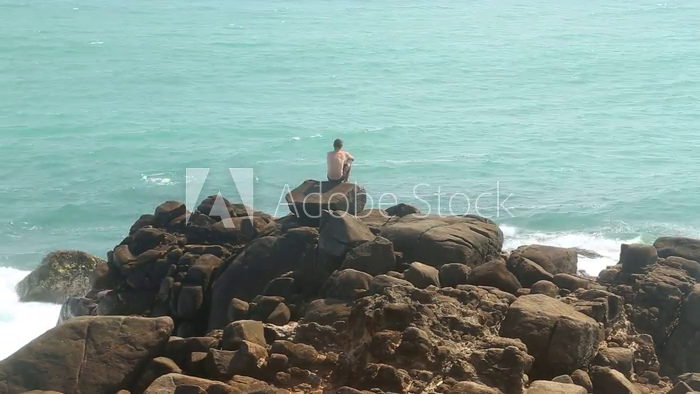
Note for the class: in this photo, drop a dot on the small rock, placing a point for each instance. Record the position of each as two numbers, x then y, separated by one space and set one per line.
243 330
545 287
581 378
422 275
454 274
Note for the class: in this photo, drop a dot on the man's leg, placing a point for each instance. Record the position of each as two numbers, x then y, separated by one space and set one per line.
346 173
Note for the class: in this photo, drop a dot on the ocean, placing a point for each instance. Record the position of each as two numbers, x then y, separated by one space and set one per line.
571 123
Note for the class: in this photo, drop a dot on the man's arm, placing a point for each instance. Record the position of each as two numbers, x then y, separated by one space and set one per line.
349 157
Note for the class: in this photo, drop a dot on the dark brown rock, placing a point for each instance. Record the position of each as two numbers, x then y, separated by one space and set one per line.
526 271
571 282
494 274
436 240
280 315
635 257
609 381
243 330
374 257
552 259
381 282
581 378
189 301
216 364
422 275
327 311
167 212
86 354
238 310
155 368
312 197
545 287
618 358
263 259
179 349
560 339
347 284
687 248
299 354
454 274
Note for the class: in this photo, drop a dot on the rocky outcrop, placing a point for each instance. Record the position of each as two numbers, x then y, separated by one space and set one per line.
378 302
62 274
86 355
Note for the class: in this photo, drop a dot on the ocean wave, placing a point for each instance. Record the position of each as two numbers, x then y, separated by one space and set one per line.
160 179
21 321
607 250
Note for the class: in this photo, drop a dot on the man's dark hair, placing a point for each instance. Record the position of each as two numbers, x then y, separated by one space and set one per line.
338 143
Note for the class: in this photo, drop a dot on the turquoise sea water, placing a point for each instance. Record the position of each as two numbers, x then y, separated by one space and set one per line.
587 112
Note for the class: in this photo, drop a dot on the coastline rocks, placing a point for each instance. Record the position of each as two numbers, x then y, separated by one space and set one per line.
560 338
86 354
312 197
62 274
552 259
436 241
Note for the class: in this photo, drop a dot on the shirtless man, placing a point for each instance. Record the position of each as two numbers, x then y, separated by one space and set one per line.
339 163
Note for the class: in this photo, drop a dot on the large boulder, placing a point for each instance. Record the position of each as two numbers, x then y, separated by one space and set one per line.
688 248
86 355
312 197
553 259
62 274
636 257
437 240
341 233
264 259
560 338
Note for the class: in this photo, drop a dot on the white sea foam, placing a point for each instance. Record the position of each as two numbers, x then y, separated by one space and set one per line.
160 179
607 248
21 322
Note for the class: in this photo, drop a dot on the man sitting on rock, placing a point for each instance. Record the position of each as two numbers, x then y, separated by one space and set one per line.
339 163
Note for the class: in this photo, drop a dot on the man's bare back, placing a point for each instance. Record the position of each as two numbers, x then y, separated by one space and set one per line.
339 163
